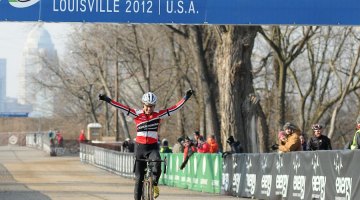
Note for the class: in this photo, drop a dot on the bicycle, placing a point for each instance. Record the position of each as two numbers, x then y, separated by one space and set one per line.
60 151
74 149
148 182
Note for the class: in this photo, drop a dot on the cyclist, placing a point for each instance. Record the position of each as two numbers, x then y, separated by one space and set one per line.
318 141
355 144
147 123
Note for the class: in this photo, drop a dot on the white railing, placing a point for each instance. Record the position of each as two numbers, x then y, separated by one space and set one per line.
120 163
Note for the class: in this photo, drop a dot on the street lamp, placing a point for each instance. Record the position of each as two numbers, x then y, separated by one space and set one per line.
117 81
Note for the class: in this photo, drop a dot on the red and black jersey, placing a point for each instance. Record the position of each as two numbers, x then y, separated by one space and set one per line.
147 126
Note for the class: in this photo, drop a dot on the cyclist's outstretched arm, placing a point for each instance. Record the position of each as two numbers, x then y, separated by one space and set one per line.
170 111
125 109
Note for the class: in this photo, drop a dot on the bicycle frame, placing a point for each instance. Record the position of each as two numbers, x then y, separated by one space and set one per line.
148 182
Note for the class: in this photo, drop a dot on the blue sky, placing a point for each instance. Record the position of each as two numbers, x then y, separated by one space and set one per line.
12 40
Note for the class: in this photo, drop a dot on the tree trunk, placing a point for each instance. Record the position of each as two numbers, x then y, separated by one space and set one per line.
181 115
238 117
210 105
344 92
124 125
282 97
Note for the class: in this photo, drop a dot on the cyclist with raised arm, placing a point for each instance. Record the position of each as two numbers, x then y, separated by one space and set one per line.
147 122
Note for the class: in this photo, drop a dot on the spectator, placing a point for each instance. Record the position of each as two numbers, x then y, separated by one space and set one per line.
355 144
189 147
196 138
82 137
189 150
281 138
203 146
165 147
214 146
303 142
60 139
318 141
179 146
235 145
52 143
51 134
291 142
128 146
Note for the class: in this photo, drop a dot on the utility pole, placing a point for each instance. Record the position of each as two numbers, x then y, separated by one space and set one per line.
117 138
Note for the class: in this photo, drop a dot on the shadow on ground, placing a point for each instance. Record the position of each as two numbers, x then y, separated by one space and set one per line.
11 190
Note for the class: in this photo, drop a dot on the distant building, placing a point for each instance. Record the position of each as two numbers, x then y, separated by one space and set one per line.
13 108
2 84
9 107
38 54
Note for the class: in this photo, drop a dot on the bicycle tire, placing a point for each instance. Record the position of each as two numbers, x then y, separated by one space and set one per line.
147 190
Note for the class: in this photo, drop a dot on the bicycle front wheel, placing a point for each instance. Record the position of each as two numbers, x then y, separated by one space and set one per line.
148 193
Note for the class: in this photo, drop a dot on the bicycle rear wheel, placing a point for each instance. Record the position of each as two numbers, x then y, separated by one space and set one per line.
148 193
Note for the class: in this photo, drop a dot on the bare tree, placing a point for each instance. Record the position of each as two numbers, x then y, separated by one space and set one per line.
285 52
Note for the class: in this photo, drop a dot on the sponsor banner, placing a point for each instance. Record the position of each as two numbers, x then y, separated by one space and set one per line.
202 172
15 10
304 175
301 12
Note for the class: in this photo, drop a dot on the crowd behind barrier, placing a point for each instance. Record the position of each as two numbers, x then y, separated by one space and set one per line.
296 175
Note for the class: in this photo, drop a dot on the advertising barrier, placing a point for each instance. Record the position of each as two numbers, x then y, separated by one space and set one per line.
202 172
319 175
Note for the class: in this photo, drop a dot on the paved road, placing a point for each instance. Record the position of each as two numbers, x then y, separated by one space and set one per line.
30 174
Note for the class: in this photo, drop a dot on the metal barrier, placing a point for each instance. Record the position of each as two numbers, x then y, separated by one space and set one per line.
39 141
120 163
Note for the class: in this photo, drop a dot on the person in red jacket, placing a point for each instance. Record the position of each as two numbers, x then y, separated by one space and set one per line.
214 146
82 137
147 122
203 146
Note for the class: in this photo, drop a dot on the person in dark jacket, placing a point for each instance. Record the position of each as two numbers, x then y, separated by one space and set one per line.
303 142
235 145
128 146
318 141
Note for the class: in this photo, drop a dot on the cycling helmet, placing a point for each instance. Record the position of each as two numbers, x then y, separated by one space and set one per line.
316 127
149 98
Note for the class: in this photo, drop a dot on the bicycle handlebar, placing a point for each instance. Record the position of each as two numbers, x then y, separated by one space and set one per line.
149 160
